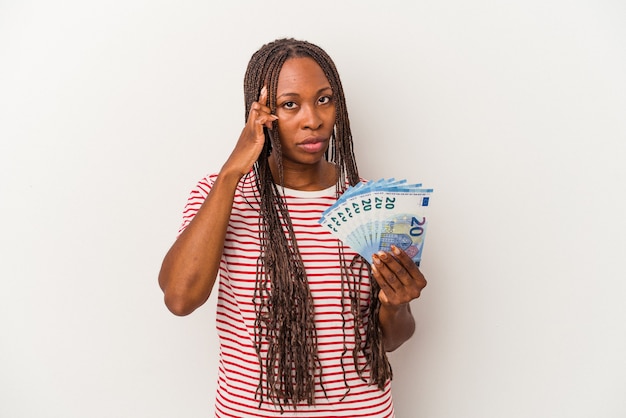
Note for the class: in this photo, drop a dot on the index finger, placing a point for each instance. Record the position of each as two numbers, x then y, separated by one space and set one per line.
263 96
403 258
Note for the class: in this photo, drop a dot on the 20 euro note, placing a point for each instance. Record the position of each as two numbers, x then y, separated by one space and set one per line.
373 216
349 219
401 221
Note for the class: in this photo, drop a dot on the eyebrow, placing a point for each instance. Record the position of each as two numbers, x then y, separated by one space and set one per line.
297 95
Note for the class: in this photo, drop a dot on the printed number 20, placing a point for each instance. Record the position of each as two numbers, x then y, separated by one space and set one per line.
416 227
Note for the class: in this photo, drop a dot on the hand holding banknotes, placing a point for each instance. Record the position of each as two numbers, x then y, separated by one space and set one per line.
399 278
385 221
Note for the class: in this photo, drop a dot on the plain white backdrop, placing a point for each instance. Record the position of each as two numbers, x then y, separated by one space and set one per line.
514 112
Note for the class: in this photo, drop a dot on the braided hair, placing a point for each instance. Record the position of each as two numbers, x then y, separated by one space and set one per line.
283 302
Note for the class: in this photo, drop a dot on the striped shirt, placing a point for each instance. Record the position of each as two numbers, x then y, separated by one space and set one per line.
238 369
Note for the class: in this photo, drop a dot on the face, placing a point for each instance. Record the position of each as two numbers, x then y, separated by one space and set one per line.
306 111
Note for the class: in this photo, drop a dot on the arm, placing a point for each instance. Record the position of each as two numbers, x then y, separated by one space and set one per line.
190 267
400 282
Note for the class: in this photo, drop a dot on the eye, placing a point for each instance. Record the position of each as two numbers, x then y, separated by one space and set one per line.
289 105
325 99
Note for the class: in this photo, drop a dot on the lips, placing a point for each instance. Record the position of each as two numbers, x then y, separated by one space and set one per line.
313 144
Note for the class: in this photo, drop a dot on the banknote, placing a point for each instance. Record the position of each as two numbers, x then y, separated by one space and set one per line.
373 216
346 217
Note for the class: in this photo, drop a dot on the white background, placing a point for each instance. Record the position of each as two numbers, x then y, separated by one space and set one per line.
514 112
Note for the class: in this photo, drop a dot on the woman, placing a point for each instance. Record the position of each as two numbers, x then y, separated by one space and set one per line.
303 329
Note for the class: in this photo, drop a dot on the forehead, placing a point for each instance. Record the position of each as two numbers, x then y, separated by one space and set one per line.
301 74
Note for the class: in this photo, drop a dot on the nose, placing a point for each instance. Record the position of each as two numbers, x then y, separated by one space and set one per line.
311 118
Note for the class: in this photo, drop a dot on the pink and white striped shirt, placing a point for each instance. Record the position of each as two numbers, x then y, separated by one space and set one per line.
238 371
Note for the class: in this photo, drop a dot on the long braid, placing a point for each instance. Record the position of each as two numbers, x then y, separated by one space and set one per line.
283 302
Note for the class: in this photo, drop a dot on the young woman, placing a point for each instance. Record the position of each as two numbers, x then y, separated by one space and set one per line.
303 329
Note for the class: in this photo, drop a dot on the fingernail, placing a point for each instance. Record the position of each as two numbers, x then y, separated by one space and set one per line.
263 90
376 260
382 255
395 250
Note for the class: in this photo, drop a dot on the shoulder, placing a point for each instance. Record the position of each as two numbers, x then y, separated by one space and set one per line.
203 186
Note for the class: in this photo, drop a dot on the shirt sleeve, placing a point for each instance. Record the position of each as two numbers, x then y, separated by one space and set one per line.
196 198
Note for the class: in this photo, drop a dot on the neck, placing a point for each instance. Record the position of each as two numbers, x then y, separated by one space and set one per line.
305 177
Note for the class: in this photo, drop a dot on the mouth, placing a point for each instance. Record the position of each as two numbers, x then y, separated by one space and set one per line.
313 144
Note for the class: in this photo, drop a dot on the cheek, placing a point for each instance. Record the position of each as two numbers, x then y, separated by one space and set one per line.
331 118
285 119
332 114
285 128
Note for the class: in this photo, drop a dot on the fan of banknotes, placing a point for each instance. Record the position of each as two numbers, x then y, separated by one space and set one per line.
374 215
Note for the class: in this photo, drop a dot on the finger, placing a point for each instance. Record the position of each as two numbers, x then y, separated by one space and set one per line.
263 96
384 276
389 295
408 264
260 111
394 272
262 102
266 120
382 283
403 258
383 296
400 285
